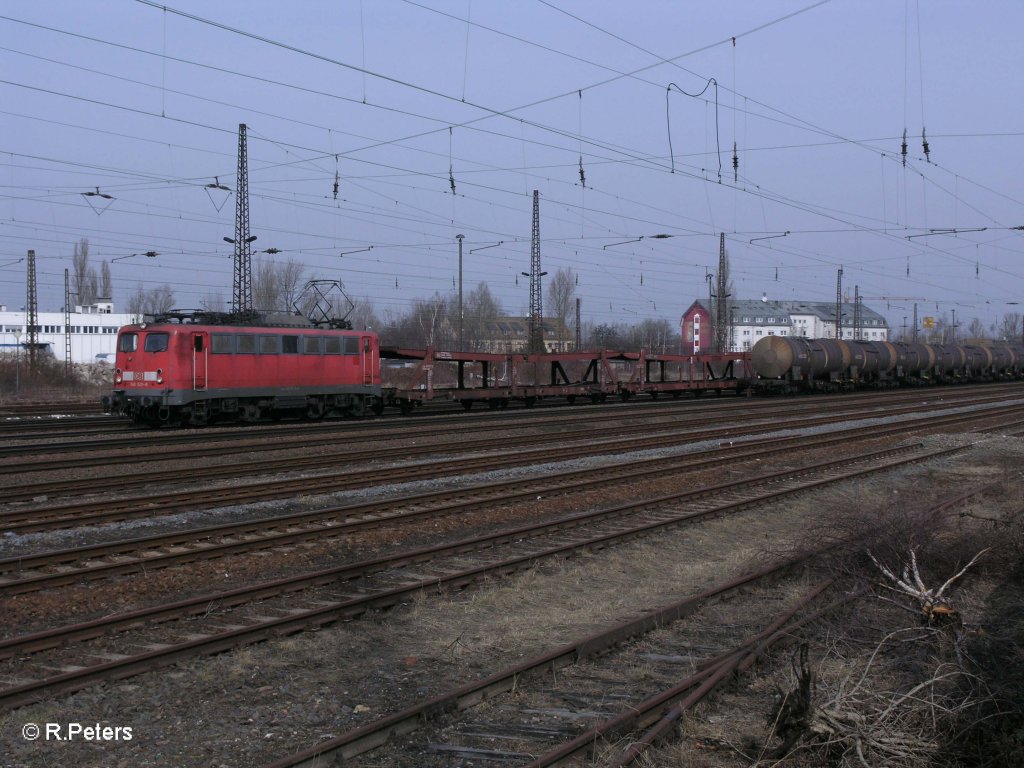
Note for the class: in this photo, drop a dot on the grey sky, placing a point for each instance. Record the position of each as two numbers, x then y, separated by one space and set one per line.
147 110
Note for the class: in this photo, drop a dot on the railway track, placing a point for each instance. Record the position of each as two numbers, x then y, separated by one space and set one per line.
150 445
522 730
33 572
40 409
387 581
58 516
576 700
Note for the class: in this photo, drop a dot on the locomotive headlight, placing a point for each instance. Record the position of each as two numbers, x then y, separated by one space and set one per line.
159 375
117 376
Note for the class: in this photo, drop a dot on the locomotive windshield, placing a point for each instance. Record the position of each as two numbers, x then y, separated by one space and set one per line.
156 342
128 342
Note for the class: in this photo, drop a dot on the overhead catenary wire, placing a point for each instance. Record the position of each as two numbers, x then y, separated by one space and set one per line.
579 159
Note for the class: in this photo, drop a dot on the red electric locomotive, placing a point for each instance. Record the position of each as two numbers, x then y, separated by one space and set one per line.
192 370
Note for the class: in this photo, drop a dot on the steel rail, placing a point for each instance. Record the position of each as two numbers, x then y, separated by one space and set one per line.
266 533
709 674
163 445
361 740
114 510
299 619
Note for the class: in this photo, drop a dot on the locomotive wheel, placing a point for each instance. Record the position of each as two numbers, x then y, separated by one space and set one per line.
249 413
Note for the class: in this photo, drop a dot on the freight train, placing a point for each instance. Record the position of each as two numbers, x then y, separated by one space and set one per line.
196 369
791 364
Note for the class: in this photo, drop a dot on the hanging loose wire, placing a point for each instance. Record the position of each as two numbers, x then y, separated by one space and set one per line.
920 71
583 176
668 120
451 174
906 75
735 156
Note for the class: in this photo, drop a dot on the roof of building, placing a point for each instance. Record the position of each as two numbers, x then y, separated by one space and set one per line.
781 311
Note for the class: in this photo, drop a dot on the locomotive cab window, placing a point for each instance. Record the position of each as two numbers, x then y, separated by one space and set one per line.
128 342
351 345
156 342
197 343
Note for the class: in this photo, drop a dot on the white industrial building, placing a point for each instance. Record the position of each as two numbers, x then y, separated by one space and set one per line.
93 331
751 320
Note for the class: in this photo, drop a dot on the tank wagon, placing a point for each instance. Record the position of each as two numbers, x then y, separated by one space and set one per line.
186 370
791 364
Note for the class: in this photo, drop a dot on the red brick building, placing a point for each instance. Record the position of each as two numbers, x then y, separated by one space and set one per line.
697 330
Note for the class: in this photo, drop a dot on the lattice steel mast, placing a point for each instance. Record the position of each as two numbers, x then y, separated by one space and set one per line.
858 318
242 296
722 298
32 317
67 324
536 340
839 304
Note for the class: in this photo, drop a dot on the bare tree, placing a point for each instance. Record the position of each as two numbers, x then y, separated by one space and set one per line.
427 324
213 302
652 335
976 329
481 310
106 283
1010 327
265 286
276 287
86 281
607 336
561 299
292 278
364 317
153 301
